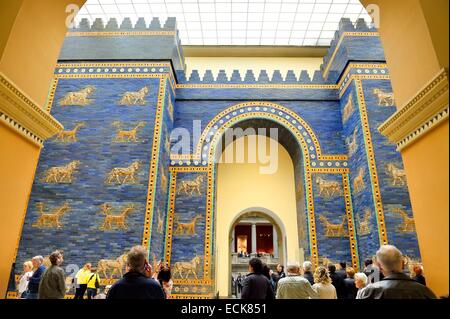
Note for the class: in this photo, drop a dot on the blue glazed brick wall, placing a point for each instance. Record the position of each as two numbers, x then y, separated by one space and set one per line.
80 236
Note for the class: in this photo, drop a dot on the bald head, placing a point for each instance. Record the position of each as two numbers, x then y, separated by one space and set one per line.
390 259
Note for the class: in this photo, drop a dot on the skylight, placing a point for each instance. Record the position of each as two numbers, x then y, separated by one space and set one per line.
237 22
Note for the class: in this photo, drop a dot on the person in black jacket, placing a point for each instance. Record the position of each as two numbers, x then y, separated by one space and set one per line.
337 281
307 272
35 279
256 285
349 283
395 284
136 283
342 271
418 275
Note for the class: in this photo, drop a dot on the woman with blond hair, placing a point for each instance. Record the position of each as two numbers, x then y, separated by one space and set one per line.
360 282
323 286
23 282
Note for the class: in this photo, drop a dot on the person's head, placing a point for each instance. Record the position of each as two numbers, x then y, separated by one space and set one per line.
136 258
307 266
367 262
350 272
331 268
255 265
266 271
87 266
280 268
418 270
56 258
165 274
390 260
27 266
360 280
105 291
37 261
93 270
293 268
343 265
322 276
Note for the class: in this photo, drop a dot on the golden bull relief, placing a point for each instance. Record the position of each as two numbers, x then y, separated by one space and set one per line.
358 181
111 266
78 98
384 98
186 268
352 144
328 188
364 225
123 175
61 174
348 109
189 187
134 98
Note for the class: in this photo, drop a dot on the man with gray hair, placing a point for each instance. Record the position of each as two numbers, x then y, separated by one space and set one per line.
395 284
137 282
294 286
307 272
35 279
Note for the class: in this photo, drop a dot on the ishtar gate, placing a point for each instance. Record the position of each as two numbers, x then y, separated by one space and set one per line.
130 146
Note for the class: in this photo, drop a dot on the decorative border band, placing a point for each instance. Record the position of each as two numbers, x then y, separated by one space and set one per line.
427 109
120 33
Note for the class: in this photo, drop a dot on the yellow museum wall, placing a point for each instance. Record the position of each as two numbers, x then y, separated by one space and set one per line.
256 64
241 186
426 163
31 34
35 40
17 167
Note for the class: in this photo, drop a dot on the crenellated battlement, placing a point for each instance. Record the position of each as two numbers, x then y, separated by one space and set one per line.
112 25
249 77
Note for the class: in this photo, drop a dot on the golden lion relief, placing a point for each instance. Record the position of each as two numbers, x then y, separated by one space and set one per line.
61 174
69 136
186 268
78 98
124 136
51 219
123 175
334 230
117 221
134 98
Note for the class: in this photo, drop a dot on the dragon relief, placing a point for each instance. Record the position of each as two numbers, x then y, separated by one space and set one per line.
69 136
398 175
407 225
51 219
186 229
334 230
348 110
124 136
115 221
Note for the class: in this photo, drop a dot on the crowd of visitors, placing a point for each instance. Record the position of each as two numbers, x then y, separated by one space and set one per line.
383 278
